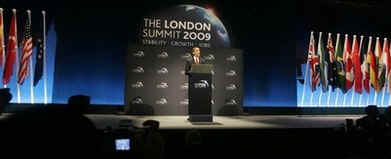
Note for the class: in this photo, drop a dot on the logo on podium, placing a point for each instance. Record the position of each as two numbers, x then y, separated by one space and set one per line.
201 84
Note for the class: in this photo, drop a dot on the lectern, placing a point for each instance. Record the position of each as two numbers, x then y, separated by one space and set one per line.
200 93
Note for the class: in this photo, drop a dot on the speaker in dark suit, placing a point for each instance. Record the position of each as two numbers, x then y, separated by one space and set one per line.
195 59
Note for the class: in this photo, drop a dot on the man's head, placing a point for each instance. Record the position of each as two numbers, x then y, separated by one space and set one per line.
5 98
196 51
78 104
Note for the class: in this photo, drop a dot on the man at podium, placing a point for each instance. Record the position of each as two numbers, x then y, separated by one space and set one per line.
196 59
200 88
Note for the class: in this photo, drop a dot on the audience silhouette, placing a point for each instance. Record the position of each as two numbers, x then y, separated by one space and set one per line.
40 131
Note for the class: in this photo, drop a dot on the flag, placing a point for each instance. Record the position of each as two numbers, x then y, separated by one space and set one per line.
340 64
39 62
27 50
388 73
382 62
314 63
357 66
12 49
1 37
365 57
373 66
322 63
332 74
347 55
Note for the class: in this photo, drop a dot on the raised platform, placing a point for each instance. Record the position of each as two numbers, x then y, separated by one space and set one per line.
228 122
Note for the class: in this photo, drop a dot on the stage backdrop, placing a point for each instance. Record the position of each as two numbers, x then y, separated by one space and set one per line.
156 77
155 67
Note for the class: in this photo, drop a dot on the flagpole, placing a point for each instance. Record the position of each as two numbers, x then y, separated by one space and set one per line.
336 100
312 96
2 43
328 98
31 66
44 59
361 44
382 98
305 74
344 99
305 81
352 99
17 66
320 97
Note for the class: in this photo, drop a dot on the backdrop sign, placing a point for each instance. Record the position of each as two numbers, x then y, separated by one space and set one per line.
184 26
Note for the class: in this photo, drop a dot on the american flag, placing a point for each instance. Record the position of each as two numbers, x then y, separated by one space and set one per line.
27 50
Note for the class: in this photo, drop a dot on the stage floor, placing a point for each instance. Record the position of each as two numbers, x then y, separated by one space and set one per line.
114 121
228 122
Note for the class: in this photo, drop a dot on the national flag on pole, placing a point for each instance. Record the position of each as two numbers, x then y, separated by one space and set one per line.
347 55
39 62
332 63
322 63
340 64
2 49
12 49
314 63
357 66
382 68
365 65
388 73
373 66
27 51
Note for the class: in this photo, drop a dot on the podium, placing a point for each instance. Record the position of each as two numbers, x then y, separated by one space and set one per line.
200 93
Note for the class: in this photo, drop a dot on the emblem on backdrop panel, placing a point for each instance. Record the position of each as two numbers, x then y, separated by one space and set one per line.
231 73
210 57
138 84
137 100
186 56
162 70
161 101
138 69
162 85
184 102
231 58
139 53
230 101
185 86
230 87
162 55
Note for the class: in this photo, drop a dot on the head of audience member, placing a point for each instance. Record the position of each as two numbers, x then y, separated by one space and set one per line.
371 111
5 98
387 114
193 137
78 104
152 124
